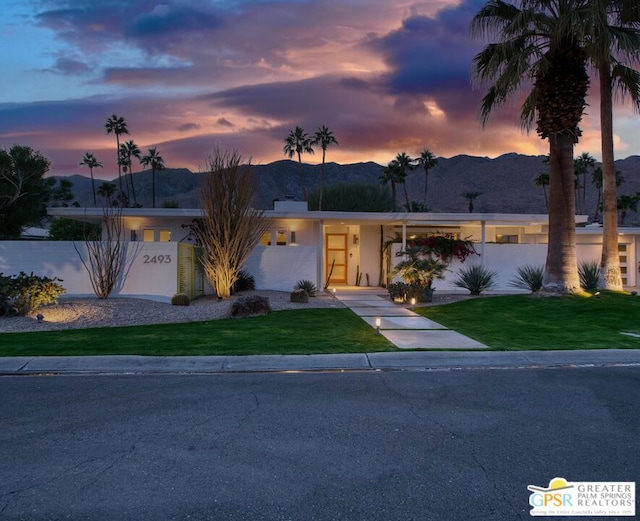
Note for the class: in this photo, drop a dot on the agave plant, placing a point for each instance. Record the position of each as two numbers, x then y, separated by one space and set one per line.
528 277
307 286
589 272
475 278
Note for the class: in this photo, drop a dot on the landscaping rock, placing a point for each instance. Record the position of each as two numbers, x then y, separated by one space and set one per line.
250 306
300 296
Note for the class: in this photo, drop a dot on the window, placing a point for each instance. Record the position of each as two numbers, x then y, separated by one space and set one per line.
165 235
507 239
281 237
277 237
148 235
265 240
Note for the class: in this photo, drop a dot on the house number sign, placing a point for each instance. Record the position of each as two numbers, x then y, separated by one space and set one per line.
157 259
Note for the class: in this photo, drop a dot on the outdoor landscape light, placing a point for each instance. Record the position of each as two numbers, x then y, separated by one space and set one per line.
634 293
413 302
40 317
334 292
378 321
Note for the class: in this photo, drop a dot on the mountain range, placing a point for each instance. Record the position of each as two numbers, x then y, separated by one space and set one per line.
506 183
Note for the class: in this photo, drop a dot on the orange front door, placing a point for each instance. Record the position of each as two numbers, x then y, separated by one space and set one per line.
336 248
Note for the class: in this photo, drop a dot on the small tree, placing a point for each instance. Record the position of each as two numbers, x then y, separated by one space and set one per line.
230 227
106 255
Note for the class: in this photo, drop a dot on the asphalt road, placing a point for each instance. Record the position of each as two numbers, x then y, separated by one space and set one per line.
437 445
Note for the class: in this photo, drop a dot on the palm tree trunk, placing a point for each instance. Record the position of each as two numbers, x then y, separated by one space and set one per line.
133 188
118 160
610 277
93 188
546 200
406 195
153 186
561 269
321 180
393 194
424 198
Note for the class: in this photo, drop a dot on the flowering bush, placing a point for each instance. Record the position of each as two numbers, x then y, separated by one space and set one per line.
26 293
444 247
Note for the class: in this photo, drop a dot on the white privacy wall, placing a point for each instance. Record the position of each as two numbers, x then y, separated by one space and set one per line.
281 267
505 259
150 270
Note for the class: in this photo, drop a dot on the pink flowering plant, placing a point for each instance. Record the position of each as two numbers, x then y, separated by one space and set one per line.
427 259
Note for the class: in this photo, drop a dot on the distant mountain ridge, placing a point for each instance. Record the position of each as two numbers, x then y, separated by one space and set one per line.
506 183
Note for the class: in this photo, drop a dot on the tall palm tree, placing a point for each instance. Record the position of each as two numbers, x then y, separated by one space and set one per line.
611 38
156 162
543 181
92 162
392 174
405 164
427 161
323 137
538 43
627 202
107 190
128 151
117 125
297 143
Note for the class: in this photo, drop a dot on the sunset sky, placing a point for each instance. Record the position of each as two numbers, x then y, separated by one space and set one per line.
385 76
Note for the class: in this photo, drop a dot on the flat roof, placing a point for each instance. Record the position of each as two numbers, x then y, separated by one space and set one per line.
386 218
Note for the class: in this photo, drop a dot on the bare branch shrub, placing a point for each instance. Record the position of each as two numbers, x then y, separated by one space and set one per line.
106 257
230 227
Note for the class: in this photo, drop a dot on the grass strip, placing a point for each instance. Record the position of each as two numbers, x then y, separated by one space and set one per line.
521 322
284 332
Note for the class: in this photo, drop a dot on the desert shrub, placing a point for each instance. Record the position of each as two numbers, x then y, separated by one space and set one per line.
589 272
245 282
26 293
403 291
307 286
528 277
180 299
475 278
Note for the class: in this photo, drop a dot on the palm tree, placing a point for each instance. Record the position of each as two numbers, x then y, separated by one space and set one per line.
107 190
539 43
323 137
626 203
428 161
393 175
405 164
297 143
118 126
92 162
612 36
156 162
581 165
471 196
543 181
128 151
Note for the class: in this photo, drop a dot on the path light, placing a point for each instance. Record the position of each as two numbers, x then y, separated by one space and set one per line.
378 322
40 317
413 302
334 292
597 294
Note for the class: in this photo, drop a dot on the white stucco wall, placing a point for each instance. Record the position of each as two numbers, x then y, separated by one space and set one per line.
150 269
281 267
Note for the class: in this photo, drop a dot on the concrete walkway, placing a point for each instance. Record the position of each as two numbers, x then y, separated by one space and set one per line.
401 326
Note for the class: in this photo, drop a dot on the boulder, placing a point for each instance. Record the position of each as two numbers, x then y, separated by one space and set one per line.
250 306
300 296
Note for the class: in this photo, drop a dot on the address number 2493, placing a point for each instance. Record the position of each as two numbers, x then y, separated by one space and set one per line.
157 259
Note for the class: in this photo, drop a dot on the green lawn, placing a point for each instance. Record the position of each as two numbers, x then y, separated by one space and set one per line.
283 332
520 322
516 322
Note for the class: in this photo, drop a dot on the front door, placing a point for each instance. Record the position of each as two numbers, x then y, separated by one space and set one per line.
336 267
